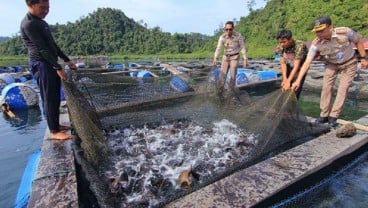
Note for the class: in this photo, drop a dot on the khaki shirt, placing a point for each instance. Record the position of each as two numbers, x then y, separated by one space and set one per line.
339 49
232 45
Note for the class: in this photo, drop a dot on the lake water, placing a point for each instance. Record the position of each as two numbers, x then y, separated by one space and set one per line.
19 138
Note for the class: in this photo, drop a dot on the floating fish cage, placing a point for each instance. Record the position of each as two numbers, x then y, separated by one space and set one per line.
144 144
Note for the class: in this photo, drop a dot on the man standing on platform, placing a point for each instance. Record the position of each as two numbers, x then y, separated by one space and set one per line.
43 61
335 45
233 44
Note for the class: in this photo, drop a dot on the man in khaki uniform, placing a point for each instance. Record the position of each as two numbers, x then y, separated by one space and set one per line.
335 45
233 44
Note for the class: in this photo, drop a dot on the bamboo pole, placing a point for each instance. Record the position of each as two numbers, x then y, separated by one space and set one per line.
171 69
6 109
358 126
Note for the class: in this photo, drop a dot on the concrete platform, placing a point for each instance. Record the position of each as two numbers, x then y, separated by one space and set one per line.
252 185
55 183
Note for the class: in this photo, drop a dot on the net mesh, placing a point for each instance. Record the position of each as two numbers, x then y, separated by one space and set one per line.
340 186
140 135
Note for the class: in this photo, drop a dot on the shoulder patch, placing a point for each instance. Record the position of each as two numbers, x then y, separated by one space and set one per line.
341 30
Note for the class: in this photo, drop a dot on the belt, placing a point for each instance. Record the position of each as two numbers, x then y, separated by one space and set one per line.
229 55
345 62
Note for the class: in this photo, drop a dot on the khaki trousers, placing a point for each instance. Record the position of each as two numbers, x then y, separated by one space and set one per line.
228 62
347 72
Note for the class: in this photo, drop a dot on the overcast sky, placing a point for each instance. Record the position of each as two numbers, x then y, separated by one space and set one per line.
181 16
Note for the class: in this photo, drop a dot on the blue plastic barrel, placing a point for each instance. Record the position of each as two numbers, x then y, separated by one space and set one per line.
132 65
214 75
267 74
119 66
21 79
133 73
24 190
253 77
277 57
17 68
7 78
144 74
241 78
62 95
178 84
81 65
19 95
7 69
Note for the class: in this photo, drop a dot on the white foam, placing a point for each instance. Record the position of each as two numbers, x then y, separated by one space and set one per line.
168 151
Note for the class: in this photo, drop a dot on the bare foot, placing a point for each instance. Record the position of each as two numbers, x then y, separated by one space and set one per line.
61 136
64 128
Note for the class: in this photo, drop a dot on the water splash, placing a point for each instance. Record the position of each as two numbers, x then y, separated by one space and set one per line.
149 160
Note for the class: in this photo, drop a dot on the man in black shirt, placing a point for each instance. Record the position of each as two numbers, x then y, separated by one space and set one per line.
43 60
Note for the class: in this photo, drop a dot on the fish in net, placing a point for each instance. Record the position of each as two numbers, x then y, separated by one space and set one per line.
139 136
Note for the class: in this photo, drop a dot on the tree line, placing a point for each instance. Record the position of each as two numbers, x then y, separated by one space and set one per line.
109 31
261 26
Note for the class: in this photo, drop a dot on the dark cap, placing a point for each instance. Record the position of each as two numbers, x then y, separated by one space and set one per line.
321 23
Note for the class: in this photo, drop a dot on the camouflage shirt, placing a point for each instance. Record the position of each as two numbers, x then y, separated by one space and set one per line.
339 49
297 51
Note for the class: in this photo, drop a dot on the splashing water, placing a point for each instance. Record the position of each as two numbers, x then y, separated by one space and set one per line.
149 160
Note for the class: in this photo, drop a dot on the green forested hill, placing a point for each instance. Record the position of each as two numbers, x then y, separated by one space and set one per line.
108 31
2 39
261 26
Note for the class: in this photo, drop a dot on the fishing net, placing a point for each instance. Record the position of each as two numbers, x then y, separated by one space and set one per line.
143 143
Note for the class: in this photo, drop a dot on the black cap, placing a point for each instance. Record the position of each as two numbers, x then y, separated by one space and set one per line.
321 23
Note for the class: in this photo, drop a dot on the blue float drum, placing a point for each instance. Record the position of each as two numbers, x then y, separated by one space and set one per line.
179 84
20 95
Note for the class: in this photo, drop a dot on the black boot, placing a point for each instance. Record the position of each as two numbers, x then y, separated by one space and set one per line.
332 121
321 120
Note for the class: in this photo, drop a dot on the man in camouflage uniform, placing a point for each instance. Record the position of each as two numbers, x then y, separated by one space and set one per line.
292 56
335 45
233 44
